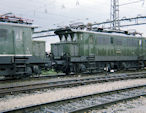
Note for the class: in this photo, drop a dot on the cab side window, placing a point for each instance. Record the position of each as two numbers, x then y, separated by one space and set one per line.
112 40
18 35
3 33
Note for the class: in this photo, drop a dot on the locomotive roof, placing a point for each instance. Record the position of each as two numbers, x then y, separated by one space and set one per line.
68 30
38 40
16 24
105 33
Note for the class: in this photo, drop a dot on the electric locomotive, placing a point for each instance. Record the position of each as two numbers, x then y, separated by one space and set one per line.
94 49
17 50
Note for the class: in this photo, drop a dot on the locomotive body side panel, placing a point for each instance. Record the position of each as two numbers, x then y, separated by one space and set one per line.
15 40
6 41
39 49
111 48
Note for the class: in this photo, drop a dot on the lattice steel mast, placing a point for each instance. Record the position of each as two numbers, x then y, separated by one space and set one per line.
114 15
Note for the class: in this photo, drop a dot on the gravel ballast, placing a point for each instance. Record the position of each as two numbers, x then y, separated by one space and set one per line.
11 102
134 106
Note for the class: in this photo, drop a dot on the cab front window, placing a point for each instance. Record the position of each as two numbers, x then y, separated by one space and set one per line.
69 38
75 37
63 38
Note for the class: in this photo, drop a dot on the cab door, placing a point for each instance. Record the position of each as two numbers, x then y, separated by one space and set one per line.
91 45
74 50
140 48
18 42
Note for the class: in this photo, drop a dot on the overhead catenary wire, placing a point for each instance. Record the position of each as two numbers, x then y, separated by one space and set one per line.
121 20
107 22
131 2
43 36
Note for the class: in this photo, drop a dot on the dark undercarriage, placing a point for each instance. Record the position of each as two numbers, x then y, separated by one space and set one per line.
20 66
67 65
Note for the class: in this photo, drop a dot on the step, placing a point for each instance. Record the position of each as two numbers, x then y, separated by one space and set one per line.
92 63
92 68
21 66
19 73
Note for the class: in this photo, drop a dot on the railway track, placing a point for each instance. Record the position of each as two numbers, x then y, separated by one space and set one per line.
86 102
33 77
60 75
65 83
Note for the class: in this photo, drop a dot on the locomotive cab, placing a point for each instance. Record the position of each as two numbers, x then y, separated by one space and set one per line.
16 48
68 44
67 48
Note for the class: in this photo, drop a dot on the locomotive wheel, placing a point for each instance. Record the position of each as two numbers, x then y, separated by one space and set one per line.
36 70
67 70
124 66
141 64
107 68
76 68
28 71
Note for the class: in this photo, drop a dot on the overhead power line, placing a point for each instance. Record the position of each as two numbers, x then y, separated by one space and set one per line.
114 13
44 36
132 2
140 20
136 21
43 31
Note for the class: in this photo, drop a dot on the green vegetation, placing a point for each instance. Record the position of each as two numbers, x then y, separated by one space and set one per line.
50 72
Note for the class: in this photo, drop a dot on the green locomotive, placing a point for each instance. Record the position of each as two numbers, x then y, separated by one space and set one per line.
18 55
94 50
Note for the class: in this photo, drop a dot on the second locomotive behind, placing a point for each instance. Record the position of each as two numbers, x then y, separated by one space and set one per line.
19 54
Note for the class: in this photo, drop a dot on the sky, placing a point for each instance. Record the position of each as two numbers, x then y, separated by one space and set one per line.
49 14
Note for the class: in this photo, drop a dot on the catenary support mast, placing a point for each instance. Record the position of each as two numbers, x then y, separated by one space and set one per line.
114 15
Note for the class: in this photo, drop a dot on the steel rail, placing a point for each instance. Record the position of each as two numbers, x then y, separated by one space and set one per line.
34 77
86 102
65 83
56 75
126 97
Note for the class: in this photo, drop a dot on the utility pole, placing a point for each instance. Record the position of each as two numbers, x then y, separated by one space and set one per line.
114 15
